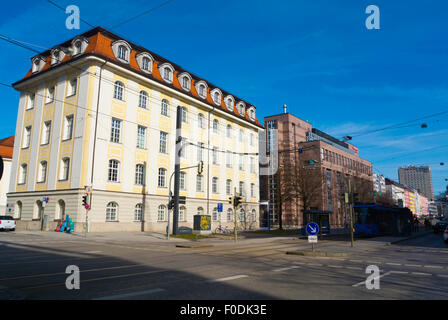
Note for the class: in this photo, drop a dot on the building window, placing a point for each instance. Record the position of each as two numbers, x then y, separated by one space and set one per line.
162 178
42 171
229 187
201 121
118 90
202 90
184 113
251 139
141 137
114 171
229 159
145 63
253 215
215 214
138 212
242 215
163 142
60 211
199 183
167 74
140 175
215 155
26 137
165 107
68 127
215 185
65 169
229 131
240 138
200 211
217 98
182 215
229 104
143 99
72 85
50 95
229 215
200 148
183 181
123 53
215 126
241 188
241 164
22 174
252 190
111 211
161 213
78 47
252 165
46 131
186 83
31 101
115 135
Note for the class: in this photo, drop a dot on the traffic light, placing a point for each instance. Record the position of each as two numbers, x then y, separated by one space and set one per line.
171 204
231 200
84 200
200 167
237 201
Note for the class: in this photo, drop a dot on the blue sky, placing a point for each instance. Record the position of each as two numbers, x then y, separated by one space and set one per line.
315 56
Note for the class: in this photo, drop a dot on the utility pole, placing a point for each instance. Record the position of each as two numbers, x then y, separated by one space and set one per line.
234 214
179 147
350 195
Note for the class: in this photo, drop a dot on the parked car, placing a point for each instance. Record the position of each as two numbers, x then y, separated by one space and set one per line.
7 223
440 226
445 235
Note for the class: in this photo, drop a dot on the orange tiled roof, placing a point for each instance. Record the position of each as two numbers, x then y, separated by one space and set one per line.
7 147
100 44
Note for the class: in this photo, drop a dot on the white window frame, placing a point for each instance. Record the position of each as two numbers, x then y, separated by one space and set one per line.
163 142
46 133
141 137
161 178
115 131
112 212
139 174
68 127
113 171
64 171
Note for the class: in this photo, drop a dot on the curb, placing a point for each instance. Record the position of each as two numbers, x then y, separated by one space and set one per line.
409 238
318 253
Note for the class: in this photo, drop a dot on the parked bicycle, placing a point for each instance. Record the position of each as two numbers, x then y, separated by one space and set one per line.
222 229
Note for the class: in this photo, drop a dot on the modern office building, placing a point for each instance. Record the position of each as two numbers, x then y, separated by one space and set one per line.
100 111
333 163
418 178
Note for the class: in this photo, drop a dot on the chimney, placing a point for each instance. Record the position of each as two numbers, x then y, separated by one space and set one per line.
284 108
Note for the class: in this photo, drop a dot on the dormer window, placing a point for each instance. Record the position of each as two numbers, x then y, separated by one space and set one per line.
79 45
241 108
216 95
166 70
201 88
56 57
144 61
121 50
38 63
185 81
252 113
229 103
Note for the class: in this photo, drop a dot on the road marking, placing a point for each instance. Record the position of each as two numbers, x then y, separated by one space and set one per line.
132 294
436 267
393 264
284 269
421 274
334 266
374 262
413 265
443 275
94 251
315 264
228 278
356 261
364 282
399 272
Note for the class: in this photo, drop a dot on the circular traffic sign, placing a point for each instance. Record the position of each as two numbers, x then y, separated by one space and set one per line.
312 228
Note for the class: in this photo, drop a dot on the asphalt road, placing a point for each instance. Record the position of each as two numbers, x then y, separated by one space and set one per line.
33 266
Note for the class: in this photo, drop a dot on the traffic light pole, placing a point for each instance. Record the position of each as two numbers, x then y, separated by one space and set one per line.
235 233
177 169
351 212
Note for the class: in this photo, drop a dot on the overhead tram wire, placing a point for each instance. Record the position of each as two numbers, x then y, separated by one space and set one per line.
173 109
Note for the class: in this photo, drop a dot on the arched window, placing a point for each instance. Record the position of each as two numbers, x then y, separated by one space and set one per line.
185 83
114 171
138 212
217 98
162 178
18 210
37 212
200 211
118 90
165 107
202 91
184 113
242 215
72 86
253 215
215 126
143 99
78 47
182 213
215 214
201 121
145 63
229 104
229 131
229 215
111 211
240 108
22 174
60 210
161 213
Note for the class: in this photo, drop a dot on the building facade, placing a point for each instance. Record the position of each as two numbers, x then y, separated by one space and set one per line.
418 178
100 111
333 162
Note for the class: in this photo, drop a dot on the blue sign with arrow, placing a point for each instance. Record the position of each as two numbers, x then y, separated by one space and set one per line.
312 228
219 207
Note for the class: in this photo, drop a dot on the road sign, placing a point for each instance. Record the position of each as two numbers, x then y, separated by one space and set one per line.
182 200
219 207
88 189
312 239
312 229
